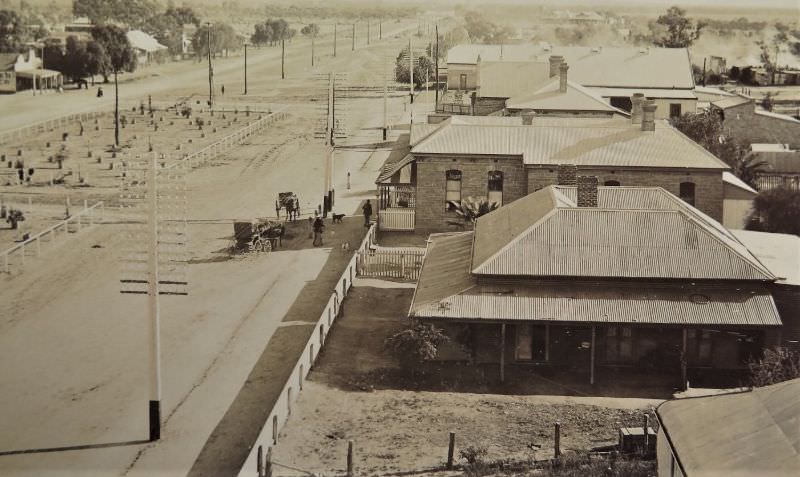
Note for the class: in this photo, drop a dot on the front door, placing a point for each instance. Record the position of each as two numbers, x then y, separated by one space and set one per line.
463 83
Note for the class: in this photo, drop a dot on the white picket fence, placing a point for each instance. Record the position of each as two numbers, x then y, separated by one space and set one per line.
391 262
291 389
51 124
17 255
397 219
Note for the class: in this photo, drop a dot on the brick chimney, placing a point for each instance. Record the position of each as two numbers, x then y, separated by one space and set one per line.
567 174
636 108
555 63
527 118
649 116
562 76
587 191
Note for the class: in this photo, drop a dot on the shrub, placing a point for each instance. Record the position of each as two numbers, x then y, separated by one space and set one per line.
777 365
416 344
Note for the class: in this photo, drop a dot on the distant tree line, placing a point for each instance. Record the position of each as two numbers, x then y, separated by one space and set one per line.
482 30
272 32
223 40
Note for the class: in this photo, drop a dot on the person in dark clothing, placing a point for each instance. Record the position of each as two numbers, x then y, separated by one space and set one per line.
319 226
367 209
223 90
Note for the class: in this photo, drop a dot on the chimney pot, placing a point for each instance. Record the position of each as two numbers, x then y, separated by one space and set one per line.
649 116
567 174
527 118
636 108
555 63
562 71
587 191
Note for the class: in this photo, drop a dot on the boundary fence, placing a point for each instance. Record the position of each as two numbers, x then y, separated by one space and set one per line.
395 262
84 218
45 126
291 389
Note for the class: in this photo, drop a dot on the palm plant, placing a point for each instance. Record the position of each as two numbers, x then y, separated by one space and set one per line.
471 208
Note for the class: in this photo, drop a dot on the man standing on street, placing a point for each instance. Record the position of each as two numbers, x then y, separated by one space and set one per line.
319 226
367 213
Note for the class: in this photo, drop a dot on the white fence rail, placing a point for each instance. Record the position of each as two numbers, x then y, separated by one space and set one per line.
45 126
213 150
17 254
395 262
282 408
397 219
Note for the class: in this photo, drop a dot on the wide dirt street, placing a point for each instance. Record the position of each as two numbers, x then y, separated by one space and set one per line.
74 350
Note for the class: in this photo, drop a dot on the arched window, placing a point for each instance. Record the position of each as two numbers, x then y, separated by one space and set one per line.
611 183
452 196
495 187
687 192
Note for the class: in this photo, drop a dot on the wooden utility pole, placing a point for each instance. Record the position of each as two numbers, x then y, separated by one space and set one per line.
380 29
312 48
385 99
245 68
354 37
283 56
367 32
154 408
436 70
210 69
334 40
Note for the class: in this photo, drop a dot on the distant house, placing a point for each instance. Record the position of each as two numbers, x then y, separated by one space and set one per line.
147 48
187 34
24 71
756 126
664 75
750 433
506 158
587 280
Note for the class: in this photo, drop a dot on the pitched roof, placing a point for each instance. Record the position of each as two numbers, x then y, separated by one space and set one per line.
731 102
7 61
447 270
780 253
729 178
786 162
755 432
550 98
143 41
580 141
557 239
649 93
630 67
504 79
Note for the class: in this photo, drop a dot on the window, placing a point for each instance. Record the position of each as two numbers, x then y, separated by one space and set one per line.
619 344
611 183
687 192
452 197
463 82
674 110
530 342
495 187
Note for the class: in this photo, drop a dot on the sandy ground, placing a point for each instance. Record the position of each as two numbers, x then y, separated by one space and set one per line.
396 430
75 350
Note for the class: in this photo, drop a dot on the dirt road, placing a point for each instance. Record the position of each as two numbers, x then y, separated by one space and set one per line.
75 350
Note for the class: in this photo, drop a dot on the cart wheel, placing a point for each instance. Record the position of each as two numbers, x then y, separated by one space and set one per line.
256 246
268 245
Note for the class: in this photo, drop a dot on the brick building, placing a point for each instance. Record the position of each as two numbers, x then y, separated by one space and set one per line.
506 158
745 122
587 279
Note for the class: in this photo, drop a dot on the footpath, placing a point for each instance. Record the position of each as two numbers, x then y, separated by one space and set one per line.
231 442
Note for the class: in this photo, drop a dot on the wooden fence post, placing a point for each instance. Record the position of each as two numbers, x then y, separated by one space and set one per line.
557 438
268 463
349 458
260 461
450 450
645 427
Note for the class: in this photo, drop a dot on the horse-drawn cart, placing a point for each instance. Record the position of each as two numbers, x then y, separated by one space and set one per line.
290 202
257 235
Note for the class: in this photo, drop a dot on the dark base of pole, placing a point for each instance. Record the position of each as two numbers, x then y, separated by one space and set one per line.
155 420
384 134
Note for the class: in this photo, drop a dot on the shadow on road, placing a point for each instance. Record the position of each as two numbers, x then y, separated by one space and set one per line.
74 448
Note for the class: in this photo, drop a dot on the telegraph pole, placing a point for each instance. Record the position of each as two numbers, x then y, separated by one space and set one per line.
436 72
154 408
210 69
334 40
411 75
245 67
385 98
354 37
283 56
367 32
380 29
313 35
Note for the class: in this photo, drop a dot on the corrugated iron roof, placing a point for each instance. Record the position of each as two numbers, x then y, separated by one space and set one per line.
780 253
579 141
731 102
390 168
550 98
611 304
756 432
446 268
649 93
625 67
593 242
729 178
420 131
504 79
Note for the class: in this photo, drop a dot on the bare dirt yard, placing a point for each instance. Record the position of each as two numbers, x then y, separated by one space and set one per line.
353 393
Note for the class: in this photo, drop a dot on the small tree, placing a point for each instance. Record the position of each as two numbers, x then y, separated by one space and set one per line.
14 218
675 30
415 345
777 211
777 365
470 209
121 57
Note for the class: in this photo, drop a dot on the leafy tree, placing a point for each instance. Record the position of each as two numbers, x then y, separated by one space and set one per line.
167 30
120 58
424 69
223 39
11 32
311 30
776 366
447 41
470 209
415 345
776 210
674 30
183 15
133 13
263 34
482 30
